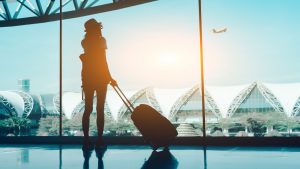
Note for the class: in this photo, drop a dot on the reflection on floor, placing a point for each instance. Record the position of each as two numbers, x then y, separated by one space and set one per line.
142 157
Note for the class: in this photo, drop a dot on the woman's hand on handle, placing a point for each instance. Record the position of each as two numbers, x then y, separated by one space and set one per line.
113 82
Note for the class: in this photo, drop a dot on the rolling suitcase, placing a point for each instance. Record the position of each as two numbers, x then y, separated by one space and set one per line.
156 130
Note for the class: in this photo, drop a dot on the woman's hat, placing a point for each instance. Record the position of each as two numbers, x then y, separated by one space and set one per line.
92 24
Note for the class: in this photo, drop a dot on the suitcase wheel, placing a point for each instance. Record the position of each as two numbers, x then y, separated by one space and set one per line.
154 148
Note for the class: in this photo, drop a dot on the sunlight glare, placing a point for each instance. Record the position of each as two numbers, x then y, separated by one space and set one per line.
168 59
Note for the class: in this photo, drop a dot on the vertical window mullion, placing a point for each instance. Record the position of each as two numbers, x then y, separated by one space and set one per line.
201 70
60 68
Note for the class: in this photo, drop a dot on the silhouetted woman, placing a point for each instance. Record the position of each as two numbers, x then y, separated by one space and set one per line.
95 78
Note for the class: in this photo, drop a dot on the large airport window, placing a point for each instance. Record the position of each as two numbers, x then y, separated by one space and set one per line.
251 86
251 67
29 80
153 56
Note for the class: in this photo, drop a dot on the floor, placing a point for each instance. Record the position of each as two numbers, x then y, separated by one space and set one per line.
142 157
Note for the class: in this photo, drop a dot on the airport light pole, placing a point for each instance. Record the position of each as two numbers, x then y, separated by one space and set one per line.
202 71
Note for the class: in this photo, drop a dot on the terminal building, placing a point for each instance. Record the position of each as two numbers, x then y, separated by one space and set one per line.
180 106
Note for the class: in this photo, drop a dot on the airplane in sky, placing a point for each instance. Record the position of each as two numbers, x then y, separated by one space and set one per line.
223 30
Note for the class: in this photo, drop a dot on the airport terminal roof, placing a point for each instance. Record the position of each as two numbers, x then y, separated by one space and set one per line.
284 97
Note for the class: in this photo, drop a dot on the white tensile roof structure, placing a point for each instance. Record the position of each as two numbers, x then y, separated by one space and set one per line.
20 102
167 97
69 102
224 100
287 94
15 100
115 103
224 96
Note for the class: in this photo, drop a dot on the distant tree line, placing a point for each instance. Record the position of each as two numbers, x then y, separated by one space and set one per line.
49 126
15 126
258 124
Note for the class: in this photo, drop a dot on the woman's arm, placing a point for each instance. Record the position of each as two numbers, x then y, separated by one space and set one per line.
111 80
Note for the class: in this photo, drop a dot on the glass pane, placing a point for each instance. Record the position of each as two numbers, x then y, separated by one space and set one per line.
29 85
251 64
153 53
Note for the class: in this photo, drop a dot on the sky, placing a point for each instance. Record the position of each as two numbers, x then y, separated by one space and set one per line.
157 44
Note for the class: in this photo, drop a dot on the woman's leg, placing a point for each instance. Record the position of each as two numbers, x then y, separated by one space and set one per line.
101 95
89 96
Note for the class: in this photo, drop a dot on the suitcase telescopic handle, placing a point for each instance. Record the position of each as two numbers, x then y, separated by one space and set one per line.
125 100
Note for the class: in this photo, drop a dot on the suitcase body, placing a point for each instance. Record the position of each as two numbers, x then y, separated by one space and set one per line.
157 130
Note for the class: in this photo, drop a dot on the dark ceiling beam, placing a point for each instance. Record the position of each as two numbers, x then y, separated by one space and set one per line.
26 6
73 14
75 4
2 16
38 3
83 3
49 7
63 5
93 3
6 9
18 10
